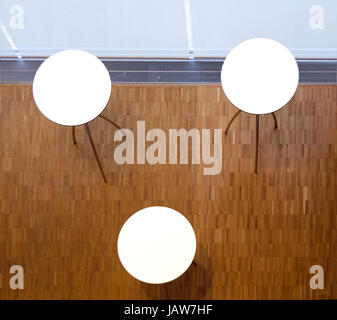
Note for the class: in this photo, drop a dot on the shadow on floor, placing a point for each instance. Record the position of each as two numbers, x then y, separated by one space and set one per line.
192 285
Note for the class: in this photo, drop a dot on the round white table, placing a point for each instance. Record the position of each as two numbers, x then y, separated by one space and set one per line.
71 88
259 76
156 245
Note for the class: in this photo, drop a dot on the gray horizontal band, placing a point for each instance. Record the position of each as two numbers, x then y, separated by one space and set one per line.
203 71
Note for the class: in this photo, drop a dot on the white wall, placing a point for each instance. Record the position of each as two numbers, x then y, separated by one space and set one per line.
106 27
157 28
220 25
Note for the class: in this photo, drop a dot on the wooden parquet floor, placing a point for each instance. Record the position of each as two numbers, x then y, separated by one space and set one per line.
257 235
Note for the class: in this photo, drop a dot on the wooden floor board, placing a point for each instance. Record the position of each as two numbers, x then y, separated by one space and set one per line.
257 235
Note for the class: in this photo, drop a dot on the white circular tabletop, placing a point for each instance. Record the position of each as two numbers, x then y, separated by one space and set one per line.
156 245
260 76
72 87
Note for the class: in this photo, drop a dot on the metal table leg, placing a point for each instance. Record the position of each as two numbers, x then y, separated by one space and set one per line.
257 143
275 120
231 121
95 152
74 137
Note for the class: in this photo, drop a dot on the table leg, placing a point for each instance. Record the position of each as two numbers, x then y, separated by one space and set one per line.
74 137
257 143
275 120
95 152
231 121
109 120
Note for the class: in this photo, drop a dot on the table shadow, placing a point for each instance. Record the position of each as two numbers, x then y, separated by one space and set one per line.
192 285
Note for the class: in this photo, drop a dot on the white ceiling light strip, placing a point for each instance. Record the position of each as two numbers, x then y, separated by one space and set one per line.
189 28
10 40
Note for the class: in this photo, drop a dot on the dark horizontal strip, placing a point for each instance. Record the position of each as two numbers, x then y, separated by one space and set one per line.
192 65
129 76
184 77
165 71
318 77
166 65
19 65
318 66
